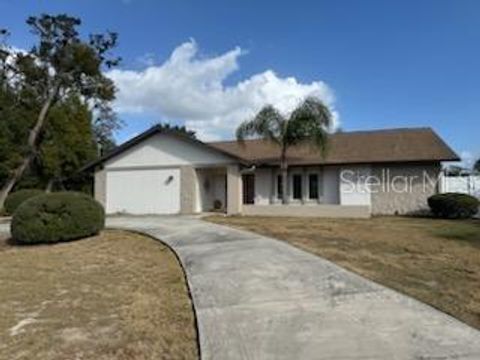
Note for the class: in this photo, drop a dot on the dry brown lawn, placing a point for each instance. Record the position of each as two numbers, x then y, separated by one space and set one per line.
114 296
435 261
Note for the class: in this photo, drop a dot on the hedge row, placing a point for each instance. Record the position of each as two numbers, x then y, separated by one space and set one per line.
453 205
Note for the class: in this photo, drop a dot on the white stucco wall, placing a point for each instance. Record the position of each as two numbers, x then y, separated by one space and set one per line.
331 185
167 150
354 189
263 186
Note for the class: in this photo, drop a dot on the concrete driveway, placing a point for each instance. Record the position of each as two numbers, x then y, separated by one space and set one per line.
260 298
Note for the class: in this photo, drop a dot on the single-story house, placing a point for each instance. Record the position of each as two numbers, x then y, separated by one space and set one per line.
390 171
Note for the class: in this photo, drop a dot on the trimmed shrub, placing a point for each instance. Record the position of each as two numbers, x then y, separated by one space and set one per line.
453 205
56 217
16 198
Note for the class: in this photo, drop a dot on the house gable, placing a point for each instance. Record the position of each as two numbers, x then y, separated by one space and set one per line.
163 150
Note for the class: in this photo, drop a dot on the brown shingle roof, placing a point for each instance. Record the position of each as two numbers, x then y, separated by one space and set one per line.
378 146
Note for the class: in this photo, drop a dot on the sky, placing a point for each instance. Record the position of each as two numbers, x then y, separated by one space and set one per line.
211 64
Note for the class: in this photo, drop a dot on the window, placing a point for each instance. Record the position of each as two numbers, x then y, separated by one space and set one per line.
313 186
279 186
297 186
248 181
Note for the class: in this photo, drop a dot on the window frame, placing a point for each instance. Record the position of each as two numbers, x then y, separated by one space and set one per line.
319 172
309 186
302 193
305 173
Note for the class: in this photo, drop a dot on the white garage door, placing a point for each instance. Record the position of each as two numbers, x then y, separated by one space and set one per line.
143 191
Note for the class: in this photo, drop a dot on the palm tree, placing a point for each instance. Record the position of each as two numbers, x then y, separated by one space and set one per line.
308 123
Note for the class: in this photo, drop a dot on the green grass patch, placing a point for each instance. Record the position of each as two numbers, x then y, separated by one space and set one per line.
460 231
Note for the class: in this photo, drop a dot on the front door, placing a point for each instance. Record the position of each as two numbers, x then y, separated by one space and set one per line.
248 181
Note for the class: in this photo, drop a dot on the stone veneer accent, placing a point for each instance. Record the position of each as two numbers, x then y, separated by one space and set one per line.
187 189
386 201
100 186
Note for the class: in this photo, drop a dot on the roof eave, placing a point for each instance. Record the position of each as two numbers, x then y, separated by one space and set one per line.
355 162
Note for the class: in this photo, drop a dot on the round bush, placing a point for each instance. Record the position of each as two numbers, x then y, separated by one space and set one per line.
453 205
56 217
14 199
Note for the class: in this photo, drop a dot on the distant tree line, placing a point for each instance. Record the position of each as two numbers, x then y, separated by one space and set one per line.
178 128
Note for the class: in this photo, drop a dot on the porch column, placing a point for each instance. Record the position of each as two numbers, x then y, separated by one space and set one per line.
234 190
187 190
272 186
305 185
320 185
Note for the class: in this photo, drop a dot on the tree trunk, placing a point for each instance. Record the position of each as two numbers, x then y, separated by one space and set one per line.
284 172
32 145
13 179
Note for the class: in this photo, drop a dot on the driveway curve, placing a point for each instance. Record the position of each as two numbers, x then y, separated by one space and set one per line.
260 298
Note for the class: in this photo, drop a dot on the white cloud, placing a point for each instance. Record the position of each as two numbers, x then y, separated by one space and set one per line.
468 159
147 59
192 89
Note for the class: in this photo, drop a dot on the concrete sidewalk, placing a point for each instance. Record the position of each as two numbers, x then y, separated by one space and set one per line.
259 298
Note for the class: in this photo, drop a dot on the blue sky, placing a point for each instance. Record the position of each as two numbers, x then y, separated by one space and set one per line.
378 64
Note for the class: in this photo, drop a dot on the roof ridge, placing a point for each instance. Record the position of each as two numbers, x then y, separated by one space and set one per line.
384 130
412 128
